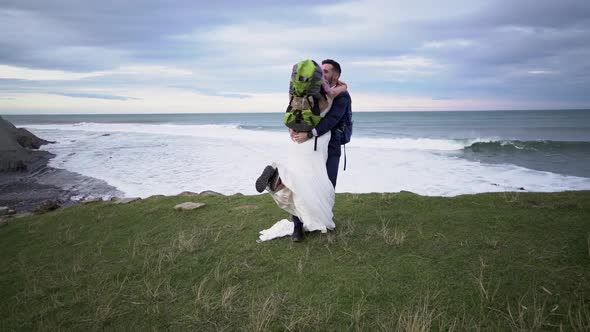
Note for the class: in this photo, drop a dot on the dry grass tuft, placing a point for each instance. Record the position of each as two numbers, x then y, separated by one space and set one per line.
263 313
308 318
346 227
531 313
578 317
420 316
104 312
300 266
227 296
391 236
357 313
492 243
202 295
186 242
510 197
531 317
484 288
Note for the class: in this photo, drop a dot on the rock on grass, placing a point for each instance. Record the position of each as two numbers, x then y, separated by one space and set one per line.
126 200
189 206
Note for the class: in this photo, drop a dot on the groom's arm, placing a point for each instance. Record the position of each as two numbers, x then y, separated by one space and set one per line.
339 107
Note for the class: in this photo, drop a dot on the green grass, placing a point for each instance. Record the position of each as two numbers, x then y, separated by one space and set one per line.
501 261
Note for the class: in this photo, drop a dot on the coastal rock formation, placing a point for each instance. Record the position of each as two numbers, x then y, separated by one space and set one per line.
203 193
26 182
15 149
47 206
188 194
91 200
210 193
125 200
5 211
27 140
189 206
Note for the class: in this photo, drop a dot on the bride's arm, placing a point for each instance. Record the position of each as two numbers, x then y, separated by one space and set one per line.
338 89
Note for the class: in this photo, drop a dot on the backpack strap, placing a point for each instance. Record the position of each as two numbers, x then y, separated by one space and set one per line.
289 107
345 157
315 144
315 105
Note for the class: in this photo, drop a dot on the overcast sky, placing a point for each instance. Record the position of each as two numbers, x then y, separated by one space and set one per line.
78 56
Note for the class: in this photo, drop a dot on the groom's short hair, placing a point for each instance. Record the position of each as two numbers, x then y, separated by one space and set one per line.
334 64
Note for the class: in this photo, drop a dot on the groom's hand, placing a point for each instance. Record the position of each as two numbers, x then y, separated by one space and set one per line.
292 133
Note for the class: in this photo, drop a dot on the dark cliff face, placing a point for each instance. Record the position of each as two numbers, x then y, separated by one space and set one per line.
18 149
27 140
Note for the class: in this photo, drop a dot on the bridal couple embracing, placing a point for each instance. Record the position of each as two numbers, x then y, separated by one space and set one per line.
319 117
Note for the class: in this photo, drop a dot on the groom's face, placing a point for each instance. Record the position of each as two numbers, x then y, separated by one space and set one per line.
329 74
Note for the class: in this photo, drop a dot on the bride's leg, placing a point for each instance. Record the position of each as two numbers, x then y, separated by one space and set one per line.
279 184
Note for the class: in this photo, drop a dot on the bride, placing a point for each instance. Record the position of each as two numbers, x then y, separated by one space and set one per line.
300 185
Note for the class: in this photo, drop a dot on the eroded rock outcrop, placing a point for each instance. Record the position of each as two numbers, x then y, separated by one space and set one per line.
18 149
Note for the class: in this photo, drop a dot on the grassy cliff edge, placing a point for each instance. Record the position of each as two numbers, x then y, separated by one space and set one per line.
397 261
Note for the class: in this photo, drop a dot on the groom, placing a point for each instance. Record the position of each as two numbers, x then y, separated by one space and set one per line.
331 122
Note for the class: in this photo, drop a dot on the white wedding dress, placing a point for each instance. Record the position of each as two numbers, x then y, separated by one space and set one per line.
308 192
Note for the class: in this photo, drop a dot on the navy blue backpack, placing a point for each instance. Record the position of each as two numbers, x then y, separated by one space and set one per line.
346 130
346 127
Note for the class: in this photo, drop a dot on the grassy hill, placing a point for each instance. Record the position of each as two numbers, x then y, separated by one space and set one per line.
396 261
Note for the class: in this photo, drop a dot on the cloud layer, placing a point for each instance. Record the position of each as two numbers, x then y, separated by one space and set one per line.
84 56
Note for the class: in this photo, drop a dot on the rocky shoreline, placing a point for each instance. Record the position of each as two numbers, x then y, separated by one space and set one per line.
27 183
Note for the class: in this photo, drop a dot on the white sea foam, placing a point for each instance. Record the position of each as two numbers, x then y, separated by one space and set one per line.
235 132
147 159
412 143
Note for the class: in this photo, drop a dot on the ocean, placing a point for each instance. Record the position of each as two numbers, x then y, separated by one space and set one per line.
429 153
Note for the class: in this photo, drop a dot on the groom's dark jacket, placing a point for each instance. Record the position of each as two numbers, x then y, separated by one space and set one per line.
333 120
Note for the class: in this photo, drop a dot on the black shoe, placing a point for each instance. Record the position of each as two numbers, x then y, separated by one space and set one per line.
265 178
297 235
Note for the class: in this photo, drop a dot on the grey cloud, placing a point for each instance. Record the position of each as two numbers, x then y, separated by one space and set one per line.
211 92
510 39
90 35
104 35
49 87
233 95
32 32
545 27
91 95
539 13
